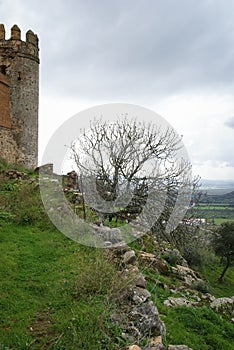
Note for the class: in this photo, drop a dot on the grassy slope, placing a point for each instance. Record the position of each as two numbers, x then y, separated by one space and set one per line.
54 293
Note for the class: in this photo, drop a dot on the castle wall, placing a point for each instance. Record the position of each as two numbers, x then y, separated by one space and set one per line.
20 63
8 146
5 118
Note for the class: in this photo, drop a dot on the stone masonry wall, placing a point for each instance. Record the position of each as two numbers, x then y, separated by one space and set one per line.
5 119
8 146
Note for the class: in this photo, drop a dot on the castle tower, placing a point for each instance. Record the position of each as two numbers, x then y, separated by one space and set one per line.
19 92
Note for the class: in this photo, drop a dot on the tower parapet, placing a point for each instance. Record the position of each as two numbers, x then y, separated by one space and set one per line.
19 83
2 32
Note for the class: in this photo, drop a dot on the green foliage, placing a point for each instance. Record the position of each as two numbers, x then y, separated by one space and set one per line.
223 243
172 257
10 186
223 240
201 286
22 203
5 215
4 166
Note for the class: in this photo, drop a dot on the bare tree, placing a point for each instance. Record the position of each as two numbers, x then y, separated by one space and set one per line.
127 165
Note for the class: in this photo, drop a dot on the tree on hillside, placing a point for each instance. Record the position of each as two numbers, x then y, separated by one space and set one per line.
126 164
223 243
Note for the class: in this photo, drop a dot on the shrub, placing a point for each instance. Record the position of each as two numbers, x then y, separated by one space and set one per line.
201 286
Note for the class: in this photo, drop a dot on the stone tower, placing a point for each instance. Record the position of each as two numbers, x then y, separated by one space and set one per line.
19 92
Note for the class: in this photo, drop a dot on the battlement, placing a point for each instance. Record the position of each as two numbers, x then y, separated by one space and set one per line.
28 47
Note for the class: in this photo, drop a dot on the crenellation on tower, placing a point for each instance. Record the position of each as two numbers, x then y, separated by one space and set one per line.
15 33
32 38
19 90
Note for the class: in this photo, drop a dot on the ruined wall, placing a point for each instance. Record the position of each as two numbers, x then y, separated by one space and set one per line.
19 63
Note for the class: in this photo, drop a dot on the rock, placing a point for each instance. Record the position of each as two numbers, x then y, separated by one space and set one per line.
156 343
45 169
72 180
188 275
159 346
134 347
108 235
140 280
146 317
178 347
136 276
172 302
140 295
207 297
132 332
224 307
156 340
158 264
15 175
162 266
173 256
117 318
129 257
120 250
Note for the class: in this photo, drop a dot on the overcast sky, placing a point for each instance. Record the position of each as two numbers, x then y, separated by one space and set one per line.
175 57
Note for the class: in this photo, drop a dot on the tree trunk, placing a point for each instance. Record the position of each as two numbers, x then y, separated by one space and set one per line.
224 270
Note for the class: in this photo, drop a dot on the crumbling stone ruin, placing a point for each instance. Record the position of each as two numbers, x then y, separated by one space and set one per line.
19 92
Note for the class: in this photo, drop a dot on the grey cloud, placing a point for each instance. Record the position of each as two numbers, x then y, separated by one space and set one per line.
230 123
120 49
145 48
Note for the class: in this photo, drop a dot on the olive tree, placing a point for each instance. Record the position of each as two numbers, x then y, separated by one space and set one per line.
223 243
126 164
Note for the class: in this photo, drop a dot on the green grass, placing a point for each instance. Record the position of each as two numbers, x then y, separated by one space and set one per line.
219 221
198 328
211 273
54 293
215 207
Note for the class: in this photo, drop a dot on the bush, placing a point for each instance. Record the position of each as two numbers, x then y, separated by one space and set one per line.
201 286
5 215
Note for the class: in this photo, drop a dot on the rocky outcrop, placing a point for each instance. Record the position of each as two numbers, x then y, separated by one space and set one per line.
159 264
187 275
136 313
172 302
224 307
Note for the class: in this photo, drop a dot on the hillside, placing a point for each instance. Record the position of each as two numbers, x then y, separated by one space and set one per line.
227 198
58 294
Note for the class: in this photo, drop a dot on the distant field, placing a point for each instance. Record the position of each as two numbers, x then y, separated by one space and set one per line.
216 207
215 212
219 221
